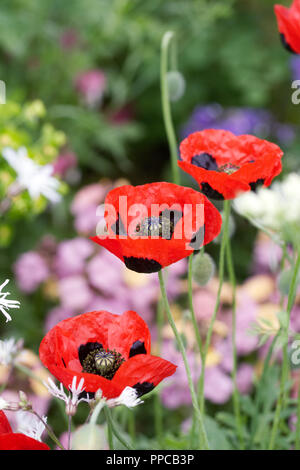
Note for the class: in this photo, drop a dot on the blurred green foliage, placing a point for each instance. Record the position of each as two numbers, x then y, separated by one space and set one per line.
228 51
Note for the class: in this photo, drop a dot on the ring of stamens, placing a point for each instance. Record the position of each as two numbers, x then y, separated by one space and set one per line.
228 168
102 362
156 227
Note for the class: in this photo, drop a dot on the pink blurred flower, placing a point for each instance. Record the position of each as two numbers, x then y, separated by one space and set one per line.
91 195
175 391
91 85
30 271
64 162
75 293
218 385
69 39
56 315
267 255
72 255
244 378
204 304
86 207
246 314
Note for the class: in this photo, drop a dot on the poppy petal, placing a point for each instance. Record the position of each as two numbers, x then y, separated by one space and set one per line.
4 424
17 441
129 335
143 369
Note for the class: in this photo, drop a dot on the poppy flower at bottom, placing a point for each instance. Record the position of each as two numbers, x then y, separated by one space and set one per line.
16 441
110 352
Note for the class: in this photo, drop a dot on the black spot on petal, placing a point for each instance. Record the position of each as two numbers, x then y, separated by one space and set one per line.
143 388
63 362
198 238
118 227
85 349
142 265
286 44
205 160
256 184
210 192
137 348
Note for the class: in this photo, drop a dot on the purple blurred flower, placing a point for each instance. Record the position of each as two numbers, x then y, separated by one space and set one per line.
91 85
85 207
218 385
238 121
295 67
175 392
56 315
63 163
69 39
246 314
75 293
244 378
267 255
71 256
30 271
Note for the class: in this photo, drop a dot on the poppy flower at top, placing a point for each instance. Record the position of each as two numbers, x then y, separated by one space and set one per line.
288 20
110 352
154 225
16 441
226 165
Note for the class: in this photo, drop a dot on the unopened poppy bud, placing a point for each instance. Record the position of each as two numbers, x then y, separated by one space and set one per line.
24 403
89 437
176 84
203 268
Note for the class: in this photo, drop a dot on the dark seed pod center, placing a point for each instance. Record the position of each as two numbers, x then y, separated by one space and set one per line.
156 227
102 362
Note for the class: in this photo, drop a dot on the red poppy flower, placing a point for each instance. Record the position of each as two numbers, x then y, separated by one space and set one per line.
154 225
109 351
16 441
288 20
225 165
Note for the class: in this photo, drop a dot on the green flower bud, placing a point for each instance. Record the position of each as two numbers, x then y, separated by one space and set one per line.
89 437
203 268
176 84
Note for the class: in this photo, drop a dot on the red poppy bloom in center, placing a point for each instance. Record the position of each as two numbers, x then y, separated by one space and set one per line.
225 165
16 441
109 351
154 225
289 26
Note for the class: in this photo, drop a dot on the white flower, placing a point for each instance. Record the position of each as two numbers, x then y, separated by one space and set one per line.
7 304
129 398
8 405
35 178
8 350
31 425
72 400
276 209
3 404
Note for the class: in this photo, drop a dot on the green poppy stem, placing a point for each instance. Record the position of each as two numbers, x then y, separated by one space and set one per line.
203 442
166 106
285 359
236 395
217 304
